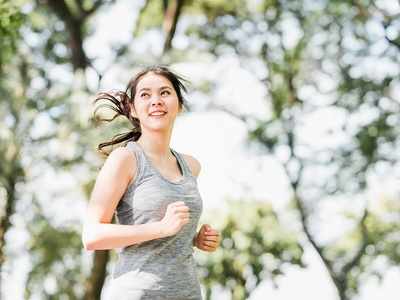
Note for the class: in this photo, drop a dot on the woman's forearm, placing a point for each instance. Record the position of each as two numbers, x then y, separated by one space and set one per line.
103 236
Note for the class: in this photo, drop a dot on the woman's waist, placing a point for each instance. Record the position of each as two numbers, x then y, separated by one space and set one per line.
182 265
155 251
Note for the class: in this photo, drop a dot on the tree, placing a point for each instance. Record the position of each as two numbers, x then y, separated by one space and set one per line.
72 126
74 15
254 247
11 171
158 14
10 21
30 97
64 106
312 58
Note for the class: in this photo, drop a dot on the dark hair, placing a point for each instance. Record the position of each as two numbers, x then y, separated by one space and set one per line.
120 103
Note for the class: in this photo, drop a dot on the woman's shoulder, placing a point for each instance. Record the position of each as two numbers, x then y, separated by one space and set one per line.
122 160
121 155
193 164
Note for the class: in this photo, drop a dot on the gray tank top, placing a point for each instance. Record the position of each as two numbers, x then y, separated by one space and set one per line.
162 268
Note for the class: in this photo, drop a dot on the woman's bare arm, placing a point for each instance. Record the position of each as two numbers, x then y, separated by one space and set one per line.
98 234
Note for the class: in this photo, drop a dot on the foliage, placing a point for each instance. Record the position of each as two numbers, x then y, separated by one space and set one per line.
316 59
338 59
254 247
56 256
11 20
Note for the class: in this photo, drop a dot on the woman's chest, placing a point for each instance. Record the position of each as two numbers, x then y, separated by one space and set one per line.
153 195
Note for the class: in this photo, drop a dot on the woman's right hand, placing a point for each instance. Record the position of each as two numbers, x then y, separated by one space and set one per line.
176 216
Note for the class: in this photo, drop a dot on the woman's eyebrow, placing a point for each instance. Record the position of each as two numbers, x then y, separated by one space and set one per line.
161 88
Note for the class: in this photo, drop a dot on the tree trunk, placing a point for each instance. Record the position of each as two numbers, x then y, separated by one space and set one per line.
5 223
95 282
171 17
74 26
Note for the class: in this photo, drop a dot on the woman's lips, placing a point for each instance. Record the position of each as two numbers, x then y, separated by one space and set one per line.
157 115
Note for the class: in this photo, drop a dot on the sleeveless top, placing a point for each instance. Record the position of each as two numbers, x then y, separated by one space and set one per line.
161 268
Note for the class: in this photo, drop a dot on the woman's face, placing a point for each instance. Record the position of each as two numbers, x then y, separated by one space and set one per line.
156 103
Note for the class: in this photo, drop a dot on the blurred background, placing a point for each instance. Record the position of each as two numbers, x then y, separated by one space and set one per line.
293 112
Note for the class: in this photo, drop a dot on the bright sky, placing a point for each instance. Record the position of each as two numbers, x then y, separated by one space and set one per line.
228 170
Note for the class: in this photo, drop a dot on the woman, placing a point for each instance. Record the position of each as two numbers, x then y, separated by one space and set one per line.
153 190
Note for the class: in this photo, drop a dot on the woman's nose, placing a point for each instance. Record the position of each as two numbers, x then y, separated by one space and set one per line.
156 100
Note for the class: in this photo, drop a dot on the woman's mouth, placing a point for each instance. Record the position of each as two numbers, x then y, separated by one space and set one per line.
157 114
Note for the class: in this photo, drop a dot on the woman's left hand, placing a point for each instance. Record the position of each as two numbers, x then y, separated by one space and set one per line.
207 239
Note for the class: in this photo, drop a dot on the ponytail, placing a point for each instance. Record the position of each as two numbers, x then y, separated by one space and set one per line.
119 102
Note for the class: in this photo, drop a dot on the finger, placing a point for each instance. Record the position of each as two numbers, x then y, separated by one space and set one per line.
183 215
212 233
183 221
177 203
210 243
181 209
181 205
203 228
215 242
211 238
208 249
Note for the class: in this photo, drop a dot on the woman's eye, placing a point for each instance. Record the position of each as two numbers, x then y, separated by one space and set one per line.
144 95
163 93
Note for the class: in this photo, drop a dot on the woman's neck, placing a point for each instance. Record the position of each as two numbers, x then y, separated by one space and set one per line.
155 144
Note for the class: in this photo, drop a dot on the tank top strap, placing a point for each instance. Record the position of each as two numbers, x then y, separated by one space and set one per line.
140 159
182 162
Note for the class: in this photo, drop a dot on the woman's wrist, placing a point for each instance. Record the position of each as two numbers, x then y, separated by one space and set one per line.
158 230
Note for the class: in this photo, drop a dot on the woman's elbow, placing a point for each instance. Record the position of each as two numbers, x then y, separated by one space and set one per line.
88 239
88 245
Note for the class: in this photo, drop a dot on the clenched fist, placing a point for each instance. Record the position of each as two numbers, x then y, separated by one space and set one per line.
176 216
207 239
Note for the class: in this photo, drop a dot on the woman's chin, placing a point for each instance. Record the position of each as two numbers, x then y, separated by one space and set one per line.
158 127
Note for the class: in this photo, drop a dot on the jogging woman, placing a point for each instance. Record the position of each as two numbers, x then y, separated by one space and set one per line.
152 190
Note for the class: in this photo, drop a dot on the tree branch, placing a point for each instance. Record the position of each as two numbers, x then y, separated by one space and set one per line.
62 10
95 7
79 5
165 5
393 42
294 182
299 203
171 17
318 248
140 17
364 243
74 25
43 138
243 118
